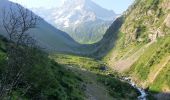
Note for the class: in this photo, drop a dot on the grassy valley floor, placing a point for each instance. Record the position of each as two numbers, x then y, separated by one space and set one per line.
100 82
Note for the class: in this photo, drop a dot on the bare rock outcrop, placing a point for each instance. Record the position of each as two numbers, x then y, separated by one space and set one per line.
167 21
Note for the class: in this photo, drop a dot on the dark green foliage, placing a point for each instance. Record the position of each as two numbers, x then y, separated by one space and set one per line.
139 31
160 13
53 82
45 80
120 87
154 4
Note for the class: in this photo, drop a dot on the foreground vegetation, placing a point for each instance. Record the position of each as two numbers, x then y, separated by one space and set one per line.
46 80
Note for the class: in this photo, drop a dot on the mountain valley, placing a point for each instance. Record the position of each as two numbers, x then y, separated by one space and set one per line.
86 52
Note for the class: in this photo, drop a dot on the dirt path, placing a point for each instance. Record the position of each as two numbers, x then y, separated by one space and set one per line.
94 90
157 69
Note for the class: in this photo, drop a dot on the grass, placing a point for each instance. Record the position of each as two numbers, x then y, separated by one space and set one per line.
81 62
122 50
110 79
51 80
151 57
47 79
162 81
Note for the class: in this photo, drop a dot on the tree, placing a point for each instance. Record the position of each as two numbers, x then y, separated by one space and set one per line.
17 21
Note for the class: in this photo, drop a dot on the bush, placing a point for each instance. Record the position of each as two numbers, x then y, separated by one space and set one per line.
45 80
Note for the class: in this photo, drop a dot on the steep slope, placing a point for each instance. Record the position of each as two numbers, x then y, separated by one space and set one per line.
47 36
44 80
83 20
140 45
101 48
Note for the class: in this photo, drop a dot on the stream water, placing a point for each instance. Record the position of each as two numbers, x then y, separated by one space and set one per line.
143 93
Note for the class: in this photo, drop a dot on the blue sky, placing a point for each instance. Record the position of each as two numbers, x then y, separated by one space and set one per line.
117 5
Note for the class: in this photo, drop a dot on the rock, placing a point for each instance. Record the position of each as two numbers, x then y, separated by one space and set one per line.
149 13
153 37
166 5
155 33
167 21
159 33
140 39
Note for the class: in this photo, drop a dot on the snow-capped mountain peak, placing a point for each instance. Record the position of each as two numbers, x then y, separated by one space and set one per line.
76 14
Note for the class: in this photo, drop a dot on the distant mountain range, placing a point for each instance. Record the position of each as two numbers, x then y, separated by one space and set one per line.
83 20
52 39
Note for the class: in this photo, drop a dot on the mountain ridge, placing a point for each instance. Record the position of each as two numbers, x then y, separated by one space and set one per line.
48 37
73 17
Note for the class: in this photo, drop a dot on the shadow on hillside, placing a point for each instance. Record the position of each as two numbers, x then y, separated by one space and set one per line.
153 95
101 48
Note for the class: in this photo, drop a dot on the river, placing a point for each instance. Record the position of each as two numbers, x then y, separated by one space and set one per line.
143 93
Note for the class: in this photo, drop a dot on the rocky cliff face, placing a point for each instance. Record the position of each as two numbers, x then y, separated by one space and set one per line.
146 19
